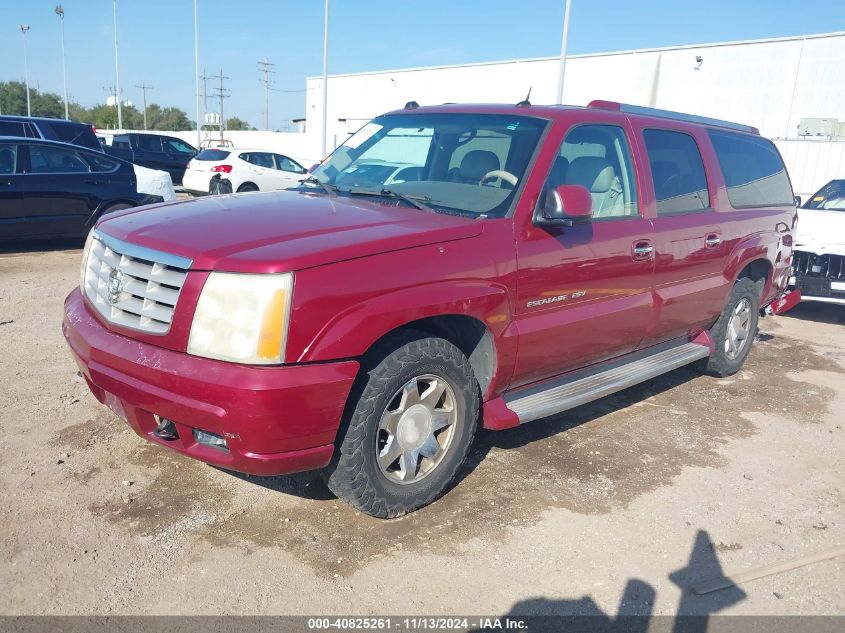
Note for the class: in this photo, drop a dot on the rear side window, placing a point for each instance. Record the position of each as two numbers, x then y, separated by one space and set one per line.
52 160
75 134
11 128
212 154
753 170
149 143
121 141
8 157
677 171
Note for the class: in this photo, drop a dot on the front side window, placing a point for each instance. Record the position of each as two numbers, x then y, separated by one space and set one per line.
259 159
677 171
52 160
175 145
8 158
754 172
100 163
460 163
831 196
598 158
286 164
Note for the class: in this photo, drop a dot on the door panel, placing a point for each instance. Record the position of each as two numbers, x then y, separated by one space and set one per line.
10 194
584 293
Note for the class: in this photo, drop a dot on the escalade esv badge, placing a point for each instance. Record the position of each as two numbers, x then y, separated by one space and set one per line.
115 286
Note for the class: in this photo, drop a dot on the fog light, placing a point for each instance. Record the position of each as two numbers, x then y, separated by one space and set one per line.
210 439
165 429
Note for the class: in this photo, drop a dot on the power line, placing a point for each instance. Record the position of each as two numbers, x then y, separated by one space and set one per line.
221 93
266 68
144 89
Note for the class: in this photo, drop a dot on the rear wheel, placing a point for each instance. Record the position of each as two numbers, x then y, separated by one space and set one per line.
734 331
408 427
247 186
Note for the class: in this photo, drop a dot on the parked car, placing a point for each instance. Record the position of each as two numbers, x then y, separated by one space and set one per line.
73 132
155 151
50 189
373 173
547 257
819 258
245 169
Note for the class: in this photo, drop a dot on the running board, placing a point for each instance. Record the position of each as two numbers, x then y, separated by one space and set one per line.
533 403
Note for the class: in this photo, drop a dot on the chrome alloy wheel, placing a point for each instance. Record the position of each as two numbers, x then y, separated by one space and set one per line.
416 429
737 335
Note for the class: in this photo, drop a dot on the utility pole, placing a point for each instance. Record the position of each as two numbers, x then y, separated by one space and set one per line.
24 29
563 41
196 70
222 93
326 75
117 72
144 89
61 13
266 68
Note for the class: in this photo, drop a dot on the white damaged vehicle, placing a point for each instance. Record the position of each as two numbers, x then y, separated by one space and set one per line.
819 251
154 182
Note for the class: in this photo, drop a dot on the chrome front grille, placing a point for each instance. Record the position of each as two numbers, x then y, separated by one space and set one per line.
812 265
133 286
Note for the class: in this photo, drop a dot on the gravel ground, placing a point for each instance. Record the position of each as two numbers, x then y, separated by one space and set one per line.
620 506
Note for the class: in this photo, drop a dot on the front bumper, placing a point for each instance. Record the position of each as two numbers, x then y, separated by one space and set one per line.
276 420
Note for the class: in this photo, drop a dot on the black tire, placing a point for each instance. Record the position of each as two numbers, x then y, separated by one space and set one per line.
722 362
354 474
247 186
120 206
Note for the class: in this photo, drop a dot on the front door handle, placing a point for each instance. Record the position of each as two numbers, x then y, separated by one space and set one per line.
712 240
642 249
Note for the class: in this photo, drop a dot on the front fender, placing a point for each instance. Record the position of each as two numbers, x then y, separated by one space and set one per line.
352 331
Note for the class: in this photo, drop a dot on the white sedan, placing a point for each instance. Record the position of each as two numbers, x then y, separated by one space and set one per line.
246 169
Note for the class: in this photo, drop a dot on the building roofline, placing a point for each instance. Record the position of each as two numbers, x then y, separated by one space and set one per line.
789 38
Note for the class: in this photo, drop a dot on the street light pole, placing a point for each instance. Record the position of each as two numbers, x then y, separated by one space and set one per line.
61 13
24 29
197 67
325 76
563 41
117 73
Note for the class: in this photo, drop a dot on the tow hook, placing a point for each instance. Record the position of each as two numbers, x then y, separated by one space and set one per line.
166 430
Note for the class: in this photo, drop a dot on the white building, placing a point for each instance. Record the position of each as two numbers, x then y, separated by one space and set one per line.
770 84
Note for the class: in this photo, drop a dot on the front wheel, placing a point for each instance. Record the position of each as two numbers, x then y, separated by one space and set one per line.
734 331
408 426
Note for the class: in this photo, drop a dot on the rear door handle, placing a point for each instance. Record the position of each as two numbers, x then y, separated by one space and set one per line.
712 240
93 182
642 249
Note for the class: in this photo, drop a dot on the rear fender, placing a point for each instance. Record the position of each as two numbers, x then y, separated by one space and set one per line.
747 250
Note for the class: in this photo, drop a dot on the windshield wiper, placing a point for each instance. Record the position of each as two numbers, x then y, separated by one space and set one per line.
415 201
313 180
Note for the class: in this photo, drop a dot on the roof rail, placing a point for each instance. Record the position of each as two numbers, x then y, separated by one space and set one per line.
669 114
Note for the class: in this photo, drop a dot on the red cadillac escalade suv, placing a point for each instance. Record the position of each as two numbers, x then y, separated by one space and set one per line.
522 260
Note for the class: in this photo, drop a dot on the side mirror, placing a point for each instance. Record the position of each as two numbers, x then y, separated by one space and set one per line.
565 206
797 201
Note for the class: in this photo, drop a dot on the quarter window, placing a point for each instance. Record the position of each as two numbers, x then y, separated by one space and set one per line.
677 171
101 163
597 157
754 172
52 160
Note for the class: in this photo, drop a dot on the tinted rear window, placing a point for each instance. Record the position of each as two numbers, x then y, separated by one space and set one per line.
677 172
11 128
754 172
212 154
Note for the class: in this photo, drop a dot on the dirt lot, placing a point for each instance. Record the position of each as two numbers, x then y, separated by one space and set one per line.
617 507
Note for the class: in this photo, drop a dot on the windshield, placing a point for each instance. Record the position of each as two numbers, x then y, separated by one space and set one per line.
831 196
464 163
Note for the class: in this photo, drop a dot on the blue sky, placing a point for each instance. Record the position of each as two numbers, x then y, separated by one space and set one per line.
156 39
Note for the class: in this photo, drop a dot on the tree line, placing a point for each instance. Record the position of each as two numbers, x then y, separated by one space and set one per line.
51 105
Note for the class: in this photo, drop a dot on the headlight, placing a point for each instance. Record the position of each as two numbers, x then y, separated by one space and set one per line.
242 318
83 266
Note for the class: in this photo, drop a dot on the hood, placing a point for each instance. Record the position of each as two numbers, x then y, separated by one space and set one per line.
282 230
821 231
